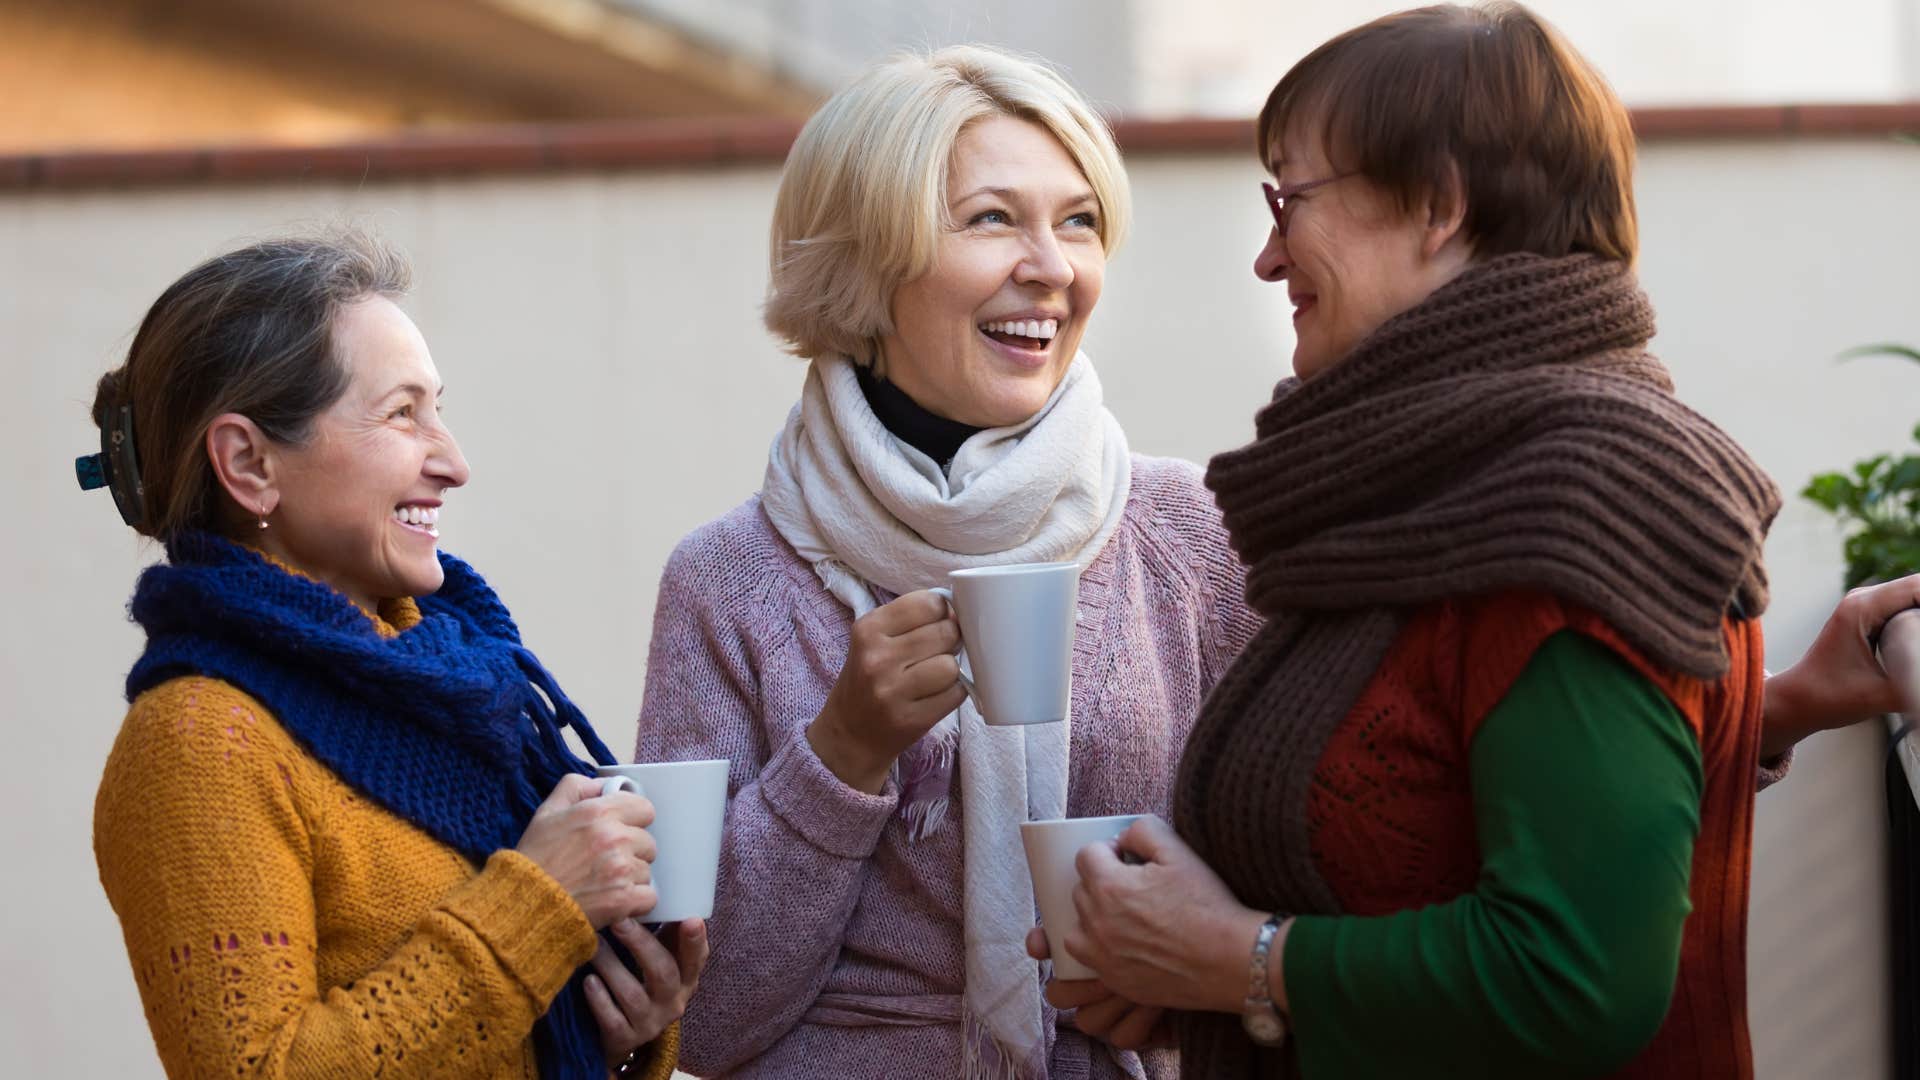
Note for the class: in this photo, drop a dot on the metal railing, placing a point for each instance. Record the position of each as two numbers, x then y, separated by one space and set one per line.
1900 656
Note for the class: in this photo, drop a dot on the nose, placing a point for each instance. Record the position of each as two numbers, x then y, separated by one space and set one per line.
446 465
1045 263
1271 264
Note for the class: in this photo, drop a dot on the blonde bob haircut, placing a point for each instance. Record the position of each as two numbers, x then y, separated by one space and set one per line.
863 196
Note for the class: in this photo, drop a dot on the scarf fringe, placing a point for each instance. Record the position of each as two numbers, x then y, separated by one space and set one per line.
985 1058
925 781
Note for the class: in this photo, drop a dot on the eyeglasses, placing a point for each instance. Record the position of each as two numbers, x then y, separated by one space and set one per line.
1277 197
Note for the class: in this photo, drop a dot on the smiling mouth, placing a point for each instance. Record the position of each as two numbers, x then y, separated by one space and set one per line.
1032 335
421 519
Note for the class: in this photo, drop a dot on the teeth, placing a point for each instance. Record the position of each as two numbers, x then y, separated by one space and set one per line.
428 516
1040 329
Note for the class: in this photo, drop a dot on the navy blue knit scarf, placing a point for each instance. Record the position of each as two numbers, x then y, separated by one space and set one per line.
453 725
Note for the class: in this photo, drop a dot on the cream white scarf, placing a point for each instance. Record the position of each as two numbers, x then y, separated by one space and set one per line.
870 512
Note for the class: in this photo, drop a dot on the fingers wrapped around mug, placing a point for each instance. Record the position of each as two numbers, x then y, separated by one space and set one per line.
1158 924
632 1006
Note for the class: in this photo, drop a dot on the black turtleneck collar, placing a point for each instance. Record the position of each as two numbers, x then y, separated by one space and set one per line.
935 436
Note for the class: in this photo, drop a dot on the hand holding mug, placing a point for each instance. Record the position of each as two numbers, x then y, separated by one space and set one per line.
1099 1012
1163 930
633 1009
899 679
596 847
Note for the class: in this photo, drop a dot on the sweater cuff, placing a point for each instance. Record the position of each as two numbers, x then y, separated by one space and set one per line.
826 812
531 924
1774 769
657 1059
1307 967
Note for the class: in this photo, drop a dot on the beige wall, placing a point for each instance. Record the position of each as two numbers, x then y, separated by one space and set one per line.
607 375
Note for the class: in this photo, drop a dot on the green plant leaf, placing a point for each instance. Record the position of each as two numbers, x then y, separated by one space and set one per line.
1883 349
1864 470
1904 476
1833 492
1883 551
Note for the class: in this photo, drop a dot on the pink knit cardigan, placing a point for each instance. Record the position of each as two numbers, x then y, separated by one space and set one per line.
837 941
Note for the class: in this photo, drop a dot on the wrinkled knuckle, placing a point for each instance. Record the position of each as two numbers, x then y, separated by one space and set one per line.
610 871
605 841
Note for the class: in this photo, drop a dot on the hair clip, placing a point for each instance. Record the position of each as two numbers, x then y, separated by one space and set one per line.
91 470
116 467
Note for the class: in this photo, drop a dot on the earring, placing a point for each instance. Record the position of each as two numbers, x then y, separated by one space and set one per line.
263 517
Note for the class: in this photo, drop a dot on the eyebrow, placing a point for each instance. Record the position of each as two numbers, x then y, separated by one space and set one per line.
413 390
1084 195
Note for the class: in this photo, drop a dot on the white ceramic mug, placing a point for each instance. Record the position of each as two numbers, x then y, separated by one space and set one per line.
1051 849
1016 624
689 807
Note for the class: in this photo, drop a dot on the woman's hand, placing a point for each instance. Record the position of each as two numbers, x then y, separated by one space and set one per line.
1165 931
596 846
900 678
1838 682
631 1011
1103 1014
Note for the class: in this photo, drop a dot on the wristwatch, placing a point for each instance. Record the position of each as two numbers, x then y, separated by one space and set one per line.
1265 1024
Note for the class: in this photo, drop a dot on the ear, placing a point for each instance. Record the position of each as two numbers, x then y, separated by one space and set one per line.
246 463
1446 214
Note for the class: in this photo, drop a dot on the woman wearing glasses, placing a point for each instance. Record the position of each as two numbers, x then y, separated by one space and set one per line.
1477 800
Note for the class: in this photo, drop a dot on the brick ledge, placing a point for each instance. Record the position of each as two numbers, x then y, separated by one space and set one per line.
703 144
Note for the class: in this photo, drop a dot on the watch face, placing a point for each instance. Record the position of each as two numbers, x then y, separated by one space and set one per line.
1264 1027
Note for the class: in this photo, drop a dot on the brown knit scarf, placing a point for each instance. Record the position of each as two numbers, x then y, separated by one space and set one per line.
1509 431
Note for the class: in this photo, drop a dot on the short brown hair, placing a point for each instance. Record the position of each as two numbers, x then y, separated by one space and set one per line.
1543 148
248 332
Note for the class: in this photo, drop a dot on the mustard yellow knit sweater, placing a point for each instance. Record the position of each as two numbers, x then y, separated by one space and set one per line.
280 925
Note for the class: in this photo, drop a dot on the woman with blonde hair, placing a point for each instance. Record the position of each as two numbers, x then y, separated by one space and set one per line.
939 243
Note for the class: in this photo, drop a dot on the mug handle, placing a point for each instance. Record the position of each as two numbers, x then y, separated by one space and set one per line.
966 682
611 784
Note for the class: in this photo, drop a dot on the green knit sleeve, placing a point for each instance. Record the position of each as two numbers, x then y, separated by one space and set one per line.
1586 797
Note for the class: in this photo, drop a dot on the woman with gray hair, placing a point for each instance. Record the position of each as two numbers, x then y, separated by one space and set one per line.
939 243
